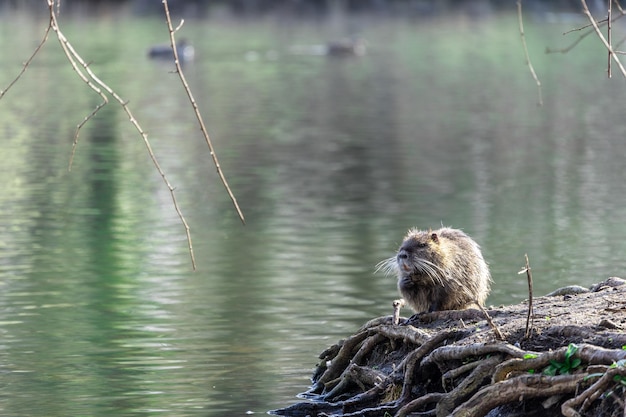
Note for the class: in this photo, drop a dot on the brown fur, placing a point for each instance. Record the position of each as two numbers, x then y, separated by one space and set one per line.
440 270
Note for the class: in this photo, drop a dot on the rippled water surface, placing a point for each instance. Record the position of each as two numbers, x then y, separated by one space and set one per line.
332 160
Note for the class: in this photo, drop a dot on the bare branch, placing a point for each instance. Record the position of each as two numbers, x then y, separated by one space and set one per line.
397 305
205 133
588 32
492 324
98 85
530 315
28 61
609 37
530 65
601 36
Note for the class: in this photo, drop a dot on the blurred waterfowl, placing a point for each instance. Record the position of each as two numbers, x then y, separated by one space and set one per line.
346 47
185 51
340 48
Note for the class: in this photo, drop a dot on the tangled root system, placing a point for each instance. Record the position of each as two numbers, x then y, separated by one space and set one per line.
571 363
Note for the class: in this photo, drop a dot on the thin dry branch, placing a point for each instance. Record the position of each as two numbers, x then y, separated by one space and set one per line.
576 42
609 37
89 77
528 63
205 133
491 323
590 30
622 13
397 305
29 60
98 85
530 315
602 38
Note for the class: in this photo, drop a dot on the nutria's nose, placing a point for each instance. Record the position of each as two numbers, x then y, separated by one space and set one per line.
402 255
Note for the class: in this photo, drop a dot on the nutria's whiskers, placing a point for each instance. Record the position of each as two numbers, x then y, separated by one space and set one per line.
431 271
387 266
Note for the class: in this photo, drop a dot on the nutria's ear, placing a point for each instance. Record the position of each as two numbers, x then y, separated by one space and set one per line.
434 237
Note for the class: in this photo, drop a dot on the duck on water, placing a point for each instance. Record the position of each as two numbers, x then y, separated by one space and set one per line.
185 51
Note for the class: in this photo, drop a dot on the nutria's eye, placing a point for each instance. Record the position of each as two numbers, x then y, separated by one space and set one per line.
422 244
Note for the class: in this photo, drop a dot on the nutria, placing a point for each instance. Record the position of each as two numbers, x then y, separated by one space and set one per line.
440 270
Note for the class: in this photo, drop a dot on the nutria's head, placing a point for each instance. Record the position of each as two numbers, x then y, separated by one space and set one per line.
419 259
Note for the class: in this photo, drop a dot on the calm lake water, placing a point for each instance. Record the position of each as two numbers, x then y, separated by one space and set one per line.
332 160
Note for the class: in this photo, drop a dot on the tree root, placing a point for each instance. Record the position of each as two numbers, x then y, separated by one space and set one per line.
451 363
520 388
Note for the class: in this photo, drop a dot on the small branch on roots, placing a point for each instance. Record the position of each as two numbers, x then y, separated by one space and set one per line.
530 315
397 306
492 324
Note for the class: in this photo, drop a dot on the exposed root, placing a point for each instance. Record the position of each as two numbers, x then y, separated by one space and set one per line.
450 363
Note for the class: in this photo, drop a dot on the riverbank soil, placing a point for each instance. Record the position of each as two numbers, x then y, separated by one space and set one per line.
569 361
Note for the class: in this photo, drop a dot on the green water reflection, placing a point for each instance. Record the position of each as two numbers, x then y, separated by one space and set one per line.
331 160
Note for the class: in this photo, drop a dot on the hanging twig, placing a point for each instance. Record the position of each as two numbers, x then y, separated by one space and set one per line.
205 133
28 61
89 77
98 85
576 42
530 65
608 37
